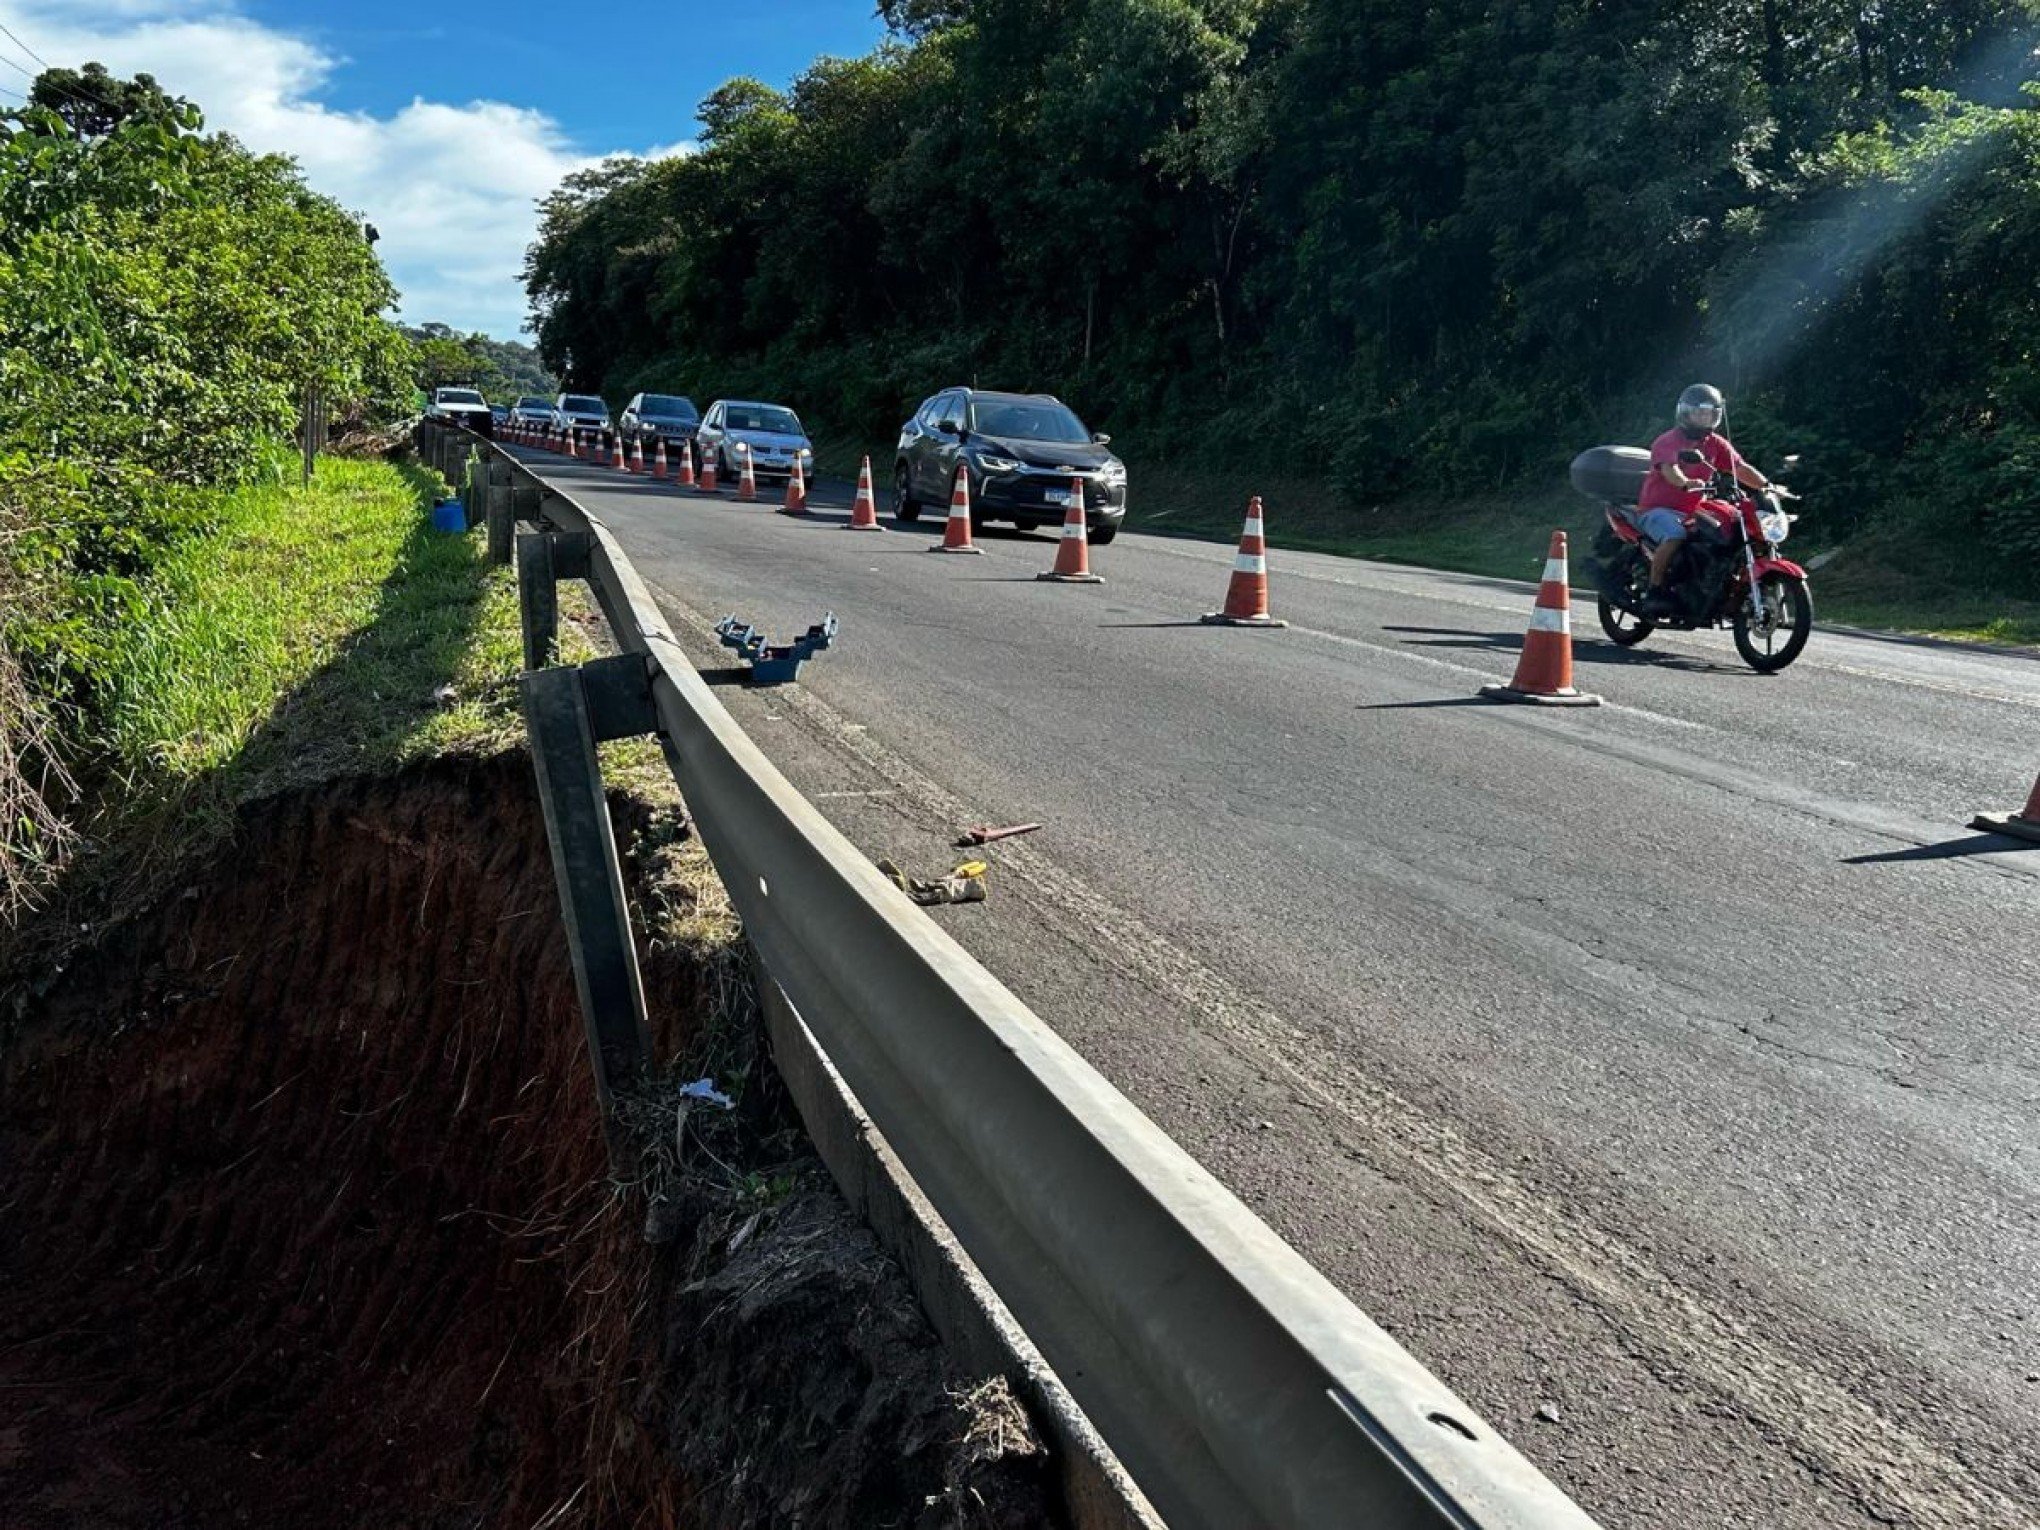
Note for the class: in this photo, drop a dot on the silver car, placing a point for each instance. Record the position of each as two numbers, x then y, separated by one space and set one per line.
773 433
582 413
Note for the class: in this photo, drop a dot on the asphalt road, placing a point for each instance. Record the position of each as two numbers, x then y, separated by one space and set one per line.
1664 1075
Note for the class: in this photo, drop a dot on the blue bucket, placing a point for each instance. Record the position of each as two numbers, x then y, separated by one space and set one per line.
447 515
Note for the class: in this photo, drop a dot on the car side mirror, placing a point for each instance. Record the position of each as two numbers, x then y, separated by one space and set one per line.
1791 462
962 434
1101 439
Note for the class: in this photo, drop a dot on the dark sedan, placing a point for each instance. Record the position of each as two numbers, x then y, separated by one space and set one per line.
655 417
1023 452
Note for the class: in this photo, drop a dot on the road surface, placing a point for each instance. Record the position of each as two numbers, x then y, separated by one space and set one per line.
1664 1075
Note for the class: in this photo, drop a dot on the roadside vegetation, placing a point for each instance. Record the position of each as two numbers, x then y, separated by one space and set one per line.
1410 260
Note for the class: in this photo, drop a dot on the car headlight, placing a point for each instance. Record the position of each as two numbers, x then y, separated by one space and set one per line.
993 464
1113 471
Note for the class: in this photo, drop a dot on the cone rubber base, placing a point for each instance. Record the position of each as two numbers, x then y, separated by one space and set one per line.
853 526
1069 578
974 550
1220 619
2007 823
1541 698
784 511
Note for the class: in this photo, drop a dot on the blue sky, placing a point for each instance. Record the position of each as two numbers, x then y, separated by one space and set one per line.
441 132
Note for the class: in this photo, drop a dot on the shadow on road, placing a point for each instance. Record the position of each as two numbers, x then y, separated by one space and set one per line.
1969 844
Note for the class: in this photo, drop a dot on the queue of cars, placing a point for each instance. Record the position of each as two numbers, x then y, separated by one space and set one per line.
1024 454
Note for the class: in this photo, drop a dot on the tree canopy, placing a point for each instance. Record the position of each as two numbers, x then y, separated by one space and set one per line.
1433 247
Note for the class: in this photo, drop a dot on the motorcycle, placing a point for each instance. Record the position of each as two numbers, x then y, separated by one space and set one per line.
1728 571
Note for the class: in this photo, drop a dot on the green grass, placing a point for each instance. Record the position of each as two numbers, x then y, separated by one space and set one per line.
316 632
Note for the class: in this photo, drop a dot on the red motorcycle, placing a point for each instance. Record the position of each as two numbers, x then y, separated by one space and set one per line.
1727 571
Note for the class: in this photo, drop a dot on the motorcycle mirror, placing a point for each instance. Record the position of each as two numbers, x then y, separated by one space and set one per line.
1791 461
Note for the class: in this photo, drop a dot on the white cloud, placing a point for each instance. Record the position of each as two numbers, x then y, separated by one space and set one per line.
450 186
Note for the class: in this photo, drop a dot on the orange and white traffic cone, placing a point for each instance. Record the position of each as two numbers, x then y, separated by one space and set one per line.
659 461
2024 824
616 458
1073 552
1246 594
573 442
747 476
637 454
956 535
1544 672
685 477
864 508
706 484
796 491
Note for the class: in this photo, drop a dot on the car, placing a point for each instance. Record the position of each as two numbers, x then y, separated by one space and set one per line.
1021 450
581 413
499 413
773 432
533 409
461 406
654 417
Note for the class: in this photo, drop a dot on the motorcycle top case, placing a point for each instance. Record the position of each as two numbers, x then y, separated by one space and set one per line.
1611 472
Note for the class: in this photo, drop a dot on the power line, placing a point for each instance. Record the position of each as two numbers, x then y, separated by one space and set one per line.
25 48
25 72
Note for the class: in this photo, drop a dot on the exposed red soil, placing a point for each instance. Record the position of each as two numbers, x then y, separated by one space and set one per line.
307 1221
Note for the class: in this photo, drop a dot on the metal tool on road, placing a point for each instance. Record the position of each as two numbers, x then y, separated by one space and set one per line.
1544 672
775 665
981 835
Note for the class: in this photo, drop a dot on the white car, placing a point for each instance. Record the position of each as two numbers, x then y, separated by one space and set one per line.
464 407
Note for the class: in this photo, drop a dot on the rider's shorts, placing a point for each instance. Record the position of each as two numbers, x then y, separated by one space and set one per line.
1662 525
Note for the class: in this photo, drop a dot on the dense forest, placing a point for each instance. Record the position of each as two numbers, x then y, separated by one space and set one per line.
1431 248
165 298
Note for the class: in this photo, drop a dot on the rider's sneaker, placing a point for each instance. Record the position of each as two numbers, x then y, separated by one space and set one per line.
1659 602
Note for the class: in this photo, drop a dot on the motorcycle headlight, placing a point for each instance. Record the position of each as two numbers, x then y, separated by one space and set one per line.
1777 526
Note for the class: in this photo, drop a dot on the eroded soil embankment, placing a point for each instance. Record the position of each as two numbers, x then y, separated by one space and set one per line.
307 1221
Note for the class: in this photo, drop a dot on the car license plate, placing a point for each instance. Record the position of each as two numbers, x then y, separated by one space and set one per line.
1063 497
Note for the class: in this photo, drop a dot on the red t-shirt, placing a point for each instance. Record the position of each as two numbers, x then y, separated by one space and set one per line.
1660 495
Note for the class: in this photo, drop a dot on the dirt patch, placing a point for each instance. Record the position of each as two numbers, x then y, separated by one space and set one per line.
309 1222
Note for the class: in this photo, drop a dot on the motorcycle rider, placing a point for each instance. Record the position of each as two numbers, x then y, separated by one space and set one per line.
1683 462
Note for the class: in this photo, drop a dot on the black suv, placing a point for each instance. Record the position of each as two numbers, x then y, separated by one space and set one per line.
655 417
1021 450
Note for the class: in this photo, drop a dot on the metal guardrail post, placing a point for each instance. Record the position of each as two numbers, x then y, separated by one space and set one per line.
565 715
497 511
543 559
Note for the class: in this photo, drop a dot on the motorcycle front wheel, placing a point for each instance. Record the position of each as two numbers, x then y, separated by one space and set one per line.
1769 646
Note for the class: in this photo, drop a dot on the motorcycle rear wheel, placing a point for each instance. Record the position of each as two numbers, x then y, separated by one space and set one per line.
1625 627
1788 606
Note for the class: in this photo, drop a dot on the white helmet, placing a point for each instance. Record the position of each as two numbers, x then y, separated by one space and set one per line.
1701 409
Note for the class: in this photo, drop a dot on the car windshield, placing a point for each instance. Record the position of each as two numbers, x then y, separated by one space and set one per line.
1029 421
581 403
459 396
534 403
765 417
666 403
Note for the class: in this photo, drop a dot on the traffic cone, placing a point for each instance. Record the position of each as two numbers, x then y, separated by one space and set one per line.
637 454
2024 824
747 478
796 491
685 477
956 535
1246 596
659 461
864 509
706 485
616 458
1544 672
1073 552
573 441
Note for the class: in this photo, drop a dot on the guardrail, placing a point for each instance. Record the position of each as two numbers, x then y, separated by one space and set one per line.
1236 1385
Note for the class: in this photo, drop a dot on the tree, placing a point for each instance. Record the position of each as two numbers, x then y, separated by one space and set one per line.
93 102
